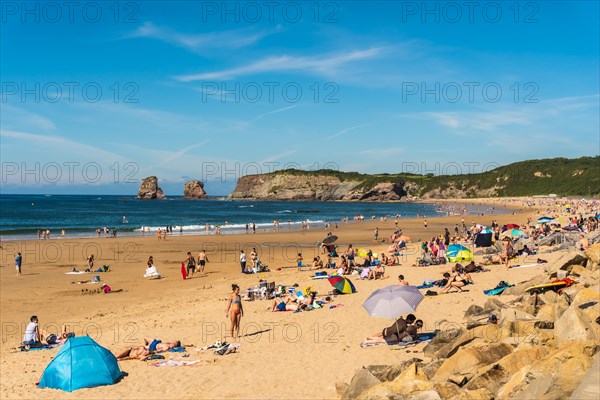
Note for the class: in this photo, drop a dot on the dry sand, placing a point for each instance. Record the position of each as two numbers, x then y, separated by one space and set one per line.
282 355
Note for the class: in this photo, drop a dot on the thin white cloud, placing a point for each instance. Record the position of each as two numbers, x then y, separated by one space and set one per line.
386 151
19 118
202 41
178 154
275 112
318 65
344 131
278 156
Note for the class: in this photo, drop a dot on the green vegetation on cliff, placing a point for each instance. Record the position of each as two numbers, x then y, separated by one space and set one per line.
562 176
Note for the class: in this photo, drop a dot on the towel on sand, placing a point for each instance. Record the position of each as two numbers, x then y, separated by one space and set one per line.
423 337
174 363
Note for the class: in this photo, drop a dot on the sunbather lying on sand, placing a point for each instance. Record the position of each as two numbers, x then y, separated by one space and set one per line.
159 346
287 305
402 330
134 353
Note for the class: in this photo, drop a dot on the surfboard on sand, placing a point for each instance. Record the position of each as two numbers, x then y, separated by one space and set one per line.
183 271
547 286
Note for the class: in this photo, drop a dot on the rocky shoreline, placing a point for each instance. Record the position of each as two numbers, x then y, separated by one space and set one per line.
541 347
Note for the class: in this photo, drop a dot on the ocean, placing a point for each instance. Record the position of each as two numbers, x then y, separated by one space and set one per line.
80 215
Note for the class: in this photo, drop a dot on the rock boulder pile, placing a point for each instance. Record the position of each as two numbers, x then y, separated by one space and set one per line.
541 347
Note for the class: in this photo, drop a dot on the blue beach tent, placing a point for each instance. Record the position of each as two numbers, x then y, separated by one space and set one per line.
81 363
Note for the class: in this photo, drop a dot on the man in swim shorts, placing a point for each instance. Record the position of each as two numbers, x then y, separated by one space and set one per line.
158 345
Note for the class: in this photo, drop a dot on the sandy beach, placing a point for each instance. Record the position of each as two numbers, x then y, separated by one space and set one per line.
282 355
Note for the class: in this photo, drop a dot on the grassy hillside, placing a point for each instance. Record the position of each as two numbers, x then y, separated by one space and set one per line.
562 176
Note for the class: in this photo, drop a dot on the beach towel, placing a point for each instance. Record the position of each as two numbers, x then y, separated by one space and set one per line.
423 337
174 363
320 277
500 287
76 272
427 284
177 350
43 347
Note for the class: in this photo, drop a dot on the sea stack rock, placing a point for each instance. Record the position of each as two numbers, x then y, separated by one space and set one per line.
149 189
194 190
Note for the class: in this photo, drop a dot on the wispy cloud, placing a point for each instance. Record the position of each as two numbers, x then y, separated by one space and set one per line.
317 65
58 144
275 112
19 118
278 156
507 115
198 42
386 151
178 154
344 131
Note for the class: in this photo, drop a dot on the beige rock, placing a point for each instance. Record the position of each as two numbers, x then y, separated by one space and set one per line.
485 333
494 376
553 377
444 337
584 275
520 287
579 321
565 262
468 360
593 253
447 390
149 189
194 190
362 380
341 388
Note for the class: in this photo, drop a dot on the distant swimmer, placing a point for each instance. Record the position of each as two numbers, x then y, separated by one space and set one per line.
125 220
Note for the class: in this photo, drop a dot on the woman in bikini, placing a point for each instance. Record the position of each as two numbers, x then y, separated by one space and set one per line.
458 280
235 311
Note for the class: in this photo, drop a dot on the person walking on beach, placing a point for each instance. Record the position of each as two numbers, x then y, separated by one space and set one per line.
243 261
376 235
18 262
202 260
425 223
191 265
235 311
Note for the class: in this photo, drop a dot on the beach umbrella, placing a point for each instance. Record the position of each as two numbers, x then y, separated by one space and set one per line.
393 301
458 252
329 239
514 233
343 285
512 226
597 216
544 220
403 238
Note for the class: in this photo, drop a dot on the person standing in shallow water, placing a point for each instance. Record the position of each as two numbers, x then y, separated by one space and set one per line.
235 311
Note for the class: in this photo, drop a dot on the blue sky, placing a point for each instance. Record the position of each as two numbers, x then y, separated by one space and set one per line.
98 96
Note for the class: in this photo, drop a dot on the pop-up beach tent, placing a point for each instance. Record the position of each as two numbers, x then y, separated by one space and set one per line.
458 253
484 238
81 363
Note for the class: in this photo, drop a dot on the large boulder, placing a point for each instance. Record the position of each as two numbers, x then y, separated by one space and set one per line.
584 275
468 360
362 380
411 380
553 377
579 321
494 376
444 337
593 255
194 190
565 262
520 287
149 189
484 333
387 373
